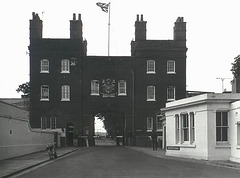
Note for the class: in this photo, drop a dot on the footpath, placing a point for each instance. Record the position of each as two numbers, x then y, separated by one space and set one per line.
12 166
161 154
9 167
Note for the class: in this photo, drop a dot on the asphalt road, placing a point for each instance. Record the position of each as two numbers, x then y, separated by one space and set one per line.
116 161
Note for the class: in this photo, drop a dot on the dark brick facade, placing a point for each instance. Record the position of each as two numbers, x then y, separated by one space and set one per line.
80 110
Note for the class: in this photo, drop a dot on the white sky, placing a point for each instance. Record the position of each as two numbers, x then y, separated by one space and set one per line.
213 33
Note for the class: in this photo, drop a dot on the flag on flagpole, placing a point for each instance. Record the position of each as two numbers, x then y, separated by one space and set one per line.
104 6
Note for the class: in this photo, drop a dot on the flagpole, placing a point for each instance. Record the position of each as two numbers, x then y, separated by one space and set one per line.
109 29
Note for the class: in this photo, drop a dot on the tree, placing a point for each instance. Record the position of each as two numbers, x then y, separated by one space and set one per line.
24 88
236 67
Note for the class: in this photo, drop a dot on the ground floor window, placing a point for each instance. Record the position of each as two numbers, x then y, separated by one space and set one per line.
222 126
48 122
184 128
149 123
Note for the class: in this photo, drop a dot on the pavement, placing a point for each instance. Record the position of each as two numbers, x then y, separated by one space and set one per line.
12 166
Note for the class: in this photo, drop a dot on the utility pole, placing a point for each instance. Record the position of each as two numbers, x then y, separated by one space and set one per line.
222 82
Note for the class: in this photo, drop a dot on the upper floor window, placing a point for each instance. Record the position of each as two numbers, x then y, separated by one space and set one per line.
149 123
150 67
150 93
65 66
94 87
170 93
44 93
44 66
65 93
222 126
122 87
171 67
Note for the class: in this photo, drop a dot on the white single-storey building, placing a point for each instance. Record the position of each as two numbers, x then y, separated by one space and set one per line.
204 127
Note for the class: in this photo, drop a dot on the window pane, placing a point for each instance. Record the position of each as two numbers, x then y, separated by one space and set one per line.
218 119
224 119
218 134
224 134
186 135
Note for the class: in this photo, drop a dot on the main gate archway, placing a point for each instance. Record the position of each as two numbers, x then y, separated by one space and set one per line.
114 124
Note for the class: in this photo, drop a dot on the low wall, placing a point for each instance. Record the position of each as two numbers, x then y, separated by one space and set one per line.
16 136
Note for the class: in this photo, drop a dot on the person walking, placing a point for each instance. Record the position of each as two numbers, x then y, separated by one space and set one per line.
154 141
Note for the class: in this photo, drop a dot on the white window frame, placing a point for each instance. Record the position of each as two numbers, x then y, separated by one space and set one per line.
149 124
222 127
53 122
44 93
185 128
43 123
95 87
122 88
171 67
171 93
44 66
151 67
159 123
65 66
151 93
65 93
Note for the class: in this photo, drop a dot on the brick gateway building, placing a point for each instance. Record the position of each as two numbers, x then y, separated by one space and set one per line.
69 88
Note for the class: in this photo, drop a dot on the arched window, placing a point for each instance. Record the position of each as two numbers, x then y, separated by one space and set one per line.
150 93
94 87
65 93
171 67
150 67
44 93
122 87
65 66
44 66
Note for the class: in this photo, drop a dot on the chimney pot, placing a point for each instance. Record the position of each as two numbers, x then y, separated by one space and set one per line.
74 16
79 16
141 17
137 17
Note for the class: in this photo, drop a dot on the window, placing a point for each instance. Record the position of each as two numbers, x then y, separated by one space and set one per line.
221 126
151 93
177 128
170 93
65 66
44 93
122 87
44 66
65 93
159 123
53 122
43 122
171 67
150 67
48 122
185 127
192 126
149 123
94 87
